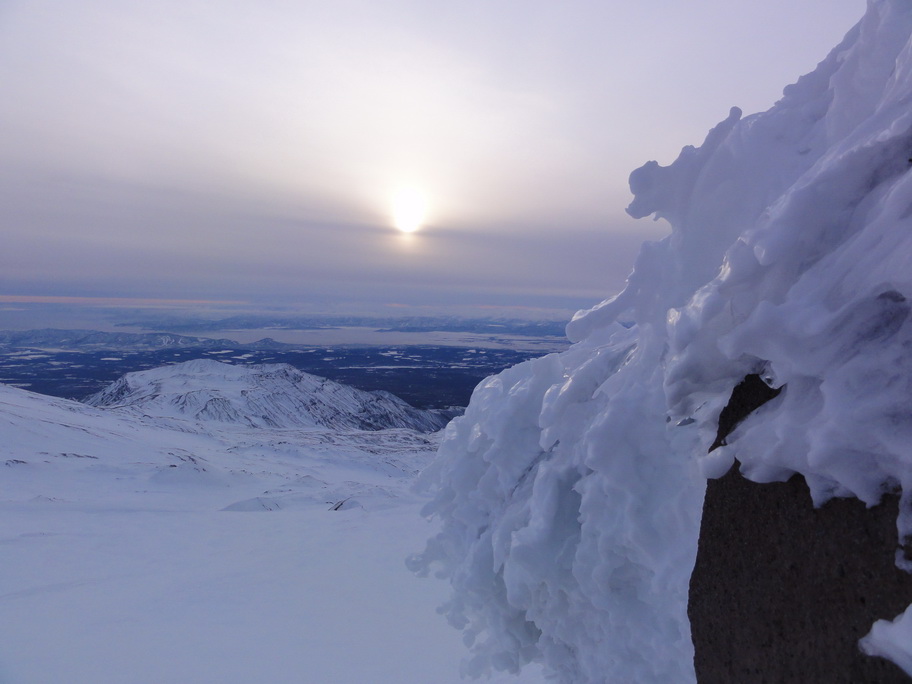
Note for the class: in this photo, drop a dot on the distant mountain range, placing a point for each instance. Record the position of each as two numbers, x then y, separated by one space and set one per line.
53 338
317 322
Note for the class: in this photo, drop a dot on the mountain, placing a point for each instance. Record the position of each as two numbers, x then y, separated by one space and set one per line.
61 447
571 492
264 395
245 554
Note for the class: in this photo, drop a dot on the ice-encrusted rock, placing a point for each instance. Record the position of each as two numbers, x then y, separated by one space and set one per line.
570 493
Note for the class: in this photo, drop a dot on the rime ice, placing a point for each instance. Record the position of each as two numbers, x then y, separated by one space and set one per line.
571 490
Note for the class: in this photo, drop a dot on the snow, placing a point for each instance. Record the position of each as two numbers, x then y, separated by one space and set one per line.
191 544
570 492
202 596
891 640
259 395
131 551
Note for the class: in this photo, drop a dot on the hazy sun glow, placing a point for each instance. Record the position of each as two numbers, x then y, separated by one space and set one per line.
409 210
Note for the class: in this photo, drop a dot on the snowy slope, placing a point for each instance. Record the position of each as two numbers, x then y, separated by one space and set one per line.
51 445
571 491
264 395
147 549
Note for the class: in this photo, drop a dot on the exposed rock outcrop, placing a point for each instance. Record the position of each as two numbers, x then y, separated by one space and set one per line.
782 592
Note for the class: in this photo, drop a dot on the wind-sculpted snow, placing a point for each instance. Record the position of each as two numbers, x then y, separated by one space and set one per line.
265 395
563 512
571 490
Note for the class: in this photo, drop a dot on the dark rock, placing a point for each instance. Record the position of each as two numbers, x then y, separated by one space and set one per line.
782 592
747 396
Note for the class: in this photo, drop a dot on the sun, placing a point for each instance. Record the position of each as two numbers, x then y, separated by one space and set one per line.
409 210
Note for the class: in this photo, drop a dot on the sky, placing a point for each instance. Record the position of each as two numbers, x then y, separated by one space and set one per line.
254 152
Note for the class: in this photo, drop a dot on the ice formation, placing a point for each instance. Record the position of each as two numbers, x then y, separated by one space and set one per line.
571 490
892 640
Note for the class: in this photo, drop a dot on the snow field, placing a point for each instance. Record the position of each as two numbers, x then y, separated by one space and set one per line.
156 549
155 596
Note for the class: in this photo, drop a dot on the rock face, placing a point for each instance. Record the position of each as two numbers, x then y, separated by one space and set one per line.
782 592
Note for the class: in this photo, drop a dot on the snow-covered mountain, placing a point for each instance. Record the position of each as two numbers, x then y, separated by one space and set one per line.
151 548
265 395
571 490
50 445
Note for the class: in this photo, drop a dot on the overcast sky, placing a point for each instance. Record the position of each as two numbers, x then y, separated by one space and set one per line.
251 151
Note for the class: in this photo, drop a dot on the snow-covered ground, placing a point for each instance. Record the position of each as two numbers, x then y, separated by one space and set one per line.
137 548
